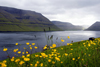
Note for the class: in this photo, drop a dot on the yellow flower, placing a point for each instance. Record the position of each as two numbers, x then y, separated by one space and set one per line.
12 59
53 62
85 53
36 55
68 43
31 48
41 64
55 50
49 60
73 59
15 50
28 55
51 47
24 48
23 56
57 58
61 62
82 59
23 53
62 48
89 45
54 45
78 57
27 43
68 37
43 54
16 44
5 49
26 59
27 52
4 61
66 54
35 47
62 40
37 62
89 54
21 62
40 56
45 47
35 65
3 65
33 43
17 60
19 52
71 49
31 64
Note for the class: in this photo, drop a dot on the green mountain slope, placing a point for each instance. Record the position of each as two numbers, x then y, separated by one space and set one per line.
66 25
12 19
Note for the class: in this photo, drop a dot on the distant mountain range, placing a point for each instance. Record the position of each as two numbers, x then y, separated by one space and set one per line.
94 27
12 19
66 25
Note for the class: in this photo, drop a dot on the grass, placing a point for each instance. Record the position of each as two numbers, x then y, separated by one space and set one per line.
78 54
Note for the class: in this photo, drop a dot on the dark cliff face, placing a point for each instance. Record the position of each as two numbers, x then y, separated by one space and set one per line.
66 25
95 26
26 18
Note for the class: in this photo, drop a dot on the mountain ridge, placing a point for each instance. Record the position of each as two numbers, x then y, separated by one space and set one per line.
12 19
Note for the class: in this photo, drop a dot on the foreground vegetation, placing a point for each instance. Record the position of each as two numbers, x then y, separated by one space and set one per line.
78 54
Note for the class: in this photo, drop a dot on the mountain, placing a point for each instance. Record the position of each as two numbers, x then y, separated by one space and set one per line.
12 19
95 26
66 25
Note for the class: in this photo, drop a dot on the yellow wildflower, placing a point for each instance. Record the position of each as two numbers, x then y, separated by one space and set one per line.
73 58
3 65
17 60
21 62
15 50
68 37
51 47
49 60
19 52
41 64
54 45
62 48
27 43
35 65
27 52
68 43
28 55
37 62
35 47
23 53
31 48
23 56
4 61
26 59
62 40
36 55
66 54
89 45
53 62
57 58
33 43
61 62
31 64
89 54
5 49
71 49
45 47
16 44
78 57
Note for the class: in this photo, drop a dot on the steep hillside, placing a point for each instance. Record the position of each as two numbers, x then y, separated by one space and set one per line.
95 26
12 19
66 25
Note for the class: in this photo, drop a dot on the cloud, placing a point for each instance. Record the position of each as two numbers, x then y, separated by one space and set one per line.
75 11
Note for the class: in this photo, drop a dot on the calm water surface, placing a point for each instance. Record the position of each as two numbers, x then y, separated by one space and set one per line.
9 39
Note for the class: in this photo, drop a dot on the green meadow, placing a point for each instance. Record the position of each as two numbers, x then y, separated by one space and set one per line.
78 54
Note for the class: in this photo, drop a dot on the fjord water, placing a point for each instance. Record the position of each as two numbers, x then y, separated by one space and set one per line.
8 39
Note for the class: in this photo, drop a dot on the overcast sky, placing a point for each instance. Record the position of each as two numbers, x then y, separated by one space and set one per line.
77 12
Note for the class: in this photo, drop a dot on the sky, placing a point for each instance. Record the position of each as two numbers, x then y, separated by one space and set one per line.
77 12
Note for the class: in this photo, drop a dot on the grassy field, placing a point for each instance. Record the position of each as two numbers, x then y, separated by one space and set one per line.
78 54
